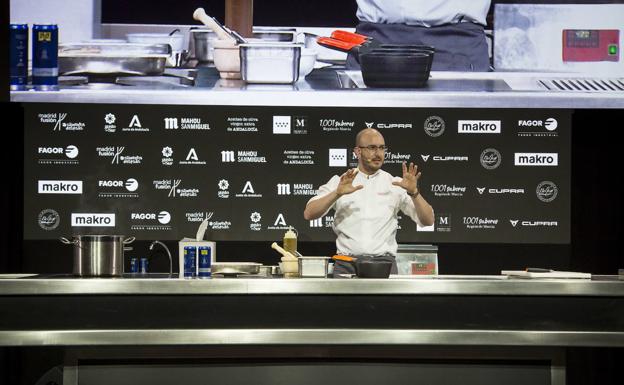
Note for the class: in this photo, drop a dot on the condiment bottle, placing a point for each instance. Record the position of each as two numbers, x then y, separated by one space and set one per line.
290 241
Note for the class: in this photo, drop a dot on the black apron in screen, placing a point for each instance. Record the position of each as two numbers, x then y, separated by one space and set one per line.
459 47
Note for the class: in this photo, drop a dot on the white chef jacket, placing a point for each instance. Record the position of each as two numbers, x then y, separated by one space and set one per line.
366 220
425 13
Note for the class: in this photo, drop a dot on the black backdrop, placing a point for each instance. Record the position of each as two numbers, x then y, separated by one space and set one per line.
596 226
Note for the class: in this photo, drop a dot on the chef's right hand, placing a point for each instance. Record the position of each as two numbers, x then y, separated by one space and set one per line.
345 186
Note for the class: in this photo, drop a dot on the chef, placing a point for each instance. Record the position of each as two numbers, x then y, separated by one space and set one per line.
367 201
453 27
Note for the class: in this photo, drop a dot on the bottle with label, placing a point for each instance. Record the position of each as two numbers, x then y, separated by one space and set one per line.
290 241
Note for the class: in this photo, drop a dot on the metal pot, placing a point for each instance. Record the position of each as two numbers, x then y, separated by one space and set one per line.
99 255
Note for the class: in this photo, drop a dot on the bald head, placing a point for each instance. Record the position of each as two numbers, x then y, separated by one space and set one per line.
368 143
365 135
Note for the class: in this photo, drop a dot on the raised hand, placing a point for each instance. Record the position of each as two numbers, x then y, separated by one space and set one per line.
410 179
345 186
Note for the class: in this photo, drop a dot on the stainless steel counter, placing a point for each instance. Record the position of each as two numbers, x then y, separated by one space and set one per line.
336 87
609 286
446 310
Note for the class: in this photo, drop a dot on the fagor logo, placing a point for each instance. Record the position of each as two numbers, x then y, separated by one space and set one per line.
60 187
479 126
92 220
536 159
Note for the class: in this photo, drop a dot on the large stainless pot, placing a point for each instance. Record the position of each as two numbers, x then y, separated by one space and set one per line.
98 255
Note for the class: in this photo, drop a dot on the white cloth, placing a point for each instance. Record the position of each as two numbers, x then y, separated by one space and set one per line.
365 221
427 13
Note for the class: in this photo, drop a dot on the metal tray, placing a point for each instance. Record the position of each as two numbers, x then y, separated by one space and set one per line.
270 62
113 58
235 268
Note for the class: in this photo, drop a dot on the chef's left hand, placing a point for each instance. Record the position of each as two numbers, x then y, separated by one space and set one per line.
410 179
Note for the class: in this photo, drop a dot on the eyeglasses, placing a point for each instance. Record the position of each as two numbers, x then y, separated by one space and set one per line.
373 148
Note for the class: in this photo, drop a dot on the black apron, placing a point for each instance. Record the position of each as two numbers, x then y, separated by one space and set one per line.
344 267
459 47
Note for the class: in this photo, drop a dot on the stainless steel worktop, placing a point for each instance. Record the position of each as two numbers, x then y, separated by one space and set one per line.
335 87
609 286
445 310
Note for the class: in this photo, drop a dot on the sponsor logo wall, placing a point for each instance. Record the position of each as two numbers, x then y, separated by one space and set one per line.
158 171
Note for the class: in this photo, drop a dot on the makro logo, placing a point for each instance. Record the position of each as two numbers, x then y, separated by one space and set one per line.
60 187
479 126
536 159
434 126
92 220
